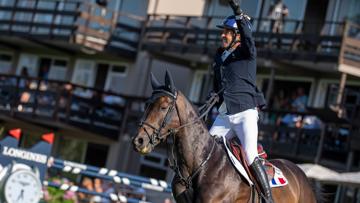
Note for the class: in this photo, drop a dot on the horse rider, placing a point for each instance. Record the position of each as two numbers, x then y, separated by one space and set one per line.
235 78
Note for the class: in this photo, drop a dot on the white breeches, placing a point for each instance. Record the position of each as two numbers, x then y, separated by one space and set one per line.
244 126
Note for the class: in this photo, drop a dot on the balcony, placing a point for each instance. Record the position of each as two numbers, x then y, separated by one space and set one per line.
71 26
198 35
81 26
58 104
62 105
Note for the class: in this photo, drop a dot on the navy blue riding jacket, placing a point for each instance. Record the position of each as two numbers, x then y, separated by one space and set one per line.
237 74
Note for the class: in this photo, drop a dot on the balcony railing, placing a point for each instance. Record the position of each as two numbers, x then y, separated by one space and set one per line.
97 28
46 101
199 35
55 104
81 23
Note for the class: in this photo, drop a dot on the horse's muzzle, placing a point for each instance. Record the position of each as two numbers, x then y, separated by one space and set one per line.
142 145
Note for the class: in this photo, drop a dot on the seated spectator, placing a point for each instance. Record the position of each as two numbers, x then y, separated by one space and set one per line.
291 120
113 99
300 101
311 122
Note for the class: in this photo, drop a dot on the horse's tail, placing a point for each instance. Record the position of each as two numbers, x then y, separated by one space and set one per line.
320 194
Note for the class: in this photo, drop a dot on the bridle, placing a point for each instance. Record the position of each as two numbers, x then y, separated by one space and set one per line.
156 137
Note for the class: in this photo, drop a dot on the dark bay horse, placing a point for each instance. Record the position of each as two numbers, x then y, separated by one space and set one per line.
202 160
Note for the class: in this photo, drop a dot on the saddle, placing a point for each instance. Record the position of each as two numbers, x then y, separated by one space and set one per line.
274 174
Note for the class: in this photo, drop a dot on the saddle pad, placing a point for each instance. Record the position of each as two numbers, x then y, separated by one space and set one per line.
275 175
279 179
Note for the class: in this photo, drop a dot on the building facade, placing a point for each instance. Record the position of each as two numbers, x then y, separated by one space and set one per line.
111 48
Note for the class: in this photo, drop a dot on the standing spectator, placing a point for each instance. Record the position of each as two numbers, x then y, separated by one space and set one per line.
277 14
24 83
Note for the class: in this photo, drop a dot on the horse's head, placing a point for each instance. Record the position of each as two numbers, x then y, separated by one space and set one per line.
159 116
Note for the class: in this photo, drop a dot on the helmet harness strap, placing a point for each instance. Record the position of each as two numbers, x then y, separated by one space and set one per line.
233 41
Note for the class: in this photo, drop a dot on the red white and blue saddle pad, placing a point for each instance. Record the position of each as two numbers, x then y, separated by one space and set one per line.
278 179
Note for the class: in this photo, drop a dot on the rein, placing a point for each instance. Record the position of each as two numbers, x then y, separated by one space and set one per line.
157 136
187 182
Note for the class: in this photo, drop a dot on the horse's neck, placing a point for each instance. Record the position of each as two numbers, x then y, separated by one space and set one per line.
193 142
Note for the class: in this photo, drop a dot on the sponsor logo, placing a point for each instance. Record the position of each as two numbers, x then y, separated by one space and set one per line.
23 154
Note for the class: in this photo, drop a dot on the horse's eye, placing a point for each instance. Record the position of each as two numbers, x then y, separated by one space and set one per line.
163 108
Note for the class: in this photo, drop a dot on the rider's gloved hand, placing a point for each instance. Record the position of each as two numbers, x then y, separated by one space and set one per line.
235 7
237 11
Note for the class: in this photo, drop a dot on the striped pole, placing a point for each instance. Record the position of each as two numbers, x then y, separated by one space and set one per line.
111 196
112 175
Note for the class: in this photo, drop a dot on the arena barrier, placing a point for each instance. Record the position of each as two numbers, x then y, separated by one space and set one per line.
110 175
38 157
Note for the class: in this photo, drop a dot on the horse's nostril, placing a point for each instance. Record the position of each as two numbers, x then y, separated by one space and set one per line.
140 141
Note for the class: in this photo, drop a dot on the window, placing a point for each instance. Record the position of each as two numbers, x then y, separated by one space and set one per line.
62 63
58 68
119 69
5 63
199 86
115 77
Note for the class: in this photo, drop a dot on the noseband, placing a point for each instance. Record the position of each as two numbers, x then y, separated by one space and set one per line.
156 137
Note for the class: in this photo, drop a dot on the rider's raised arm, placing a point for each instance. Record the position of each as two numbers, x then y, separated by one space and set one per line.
247 46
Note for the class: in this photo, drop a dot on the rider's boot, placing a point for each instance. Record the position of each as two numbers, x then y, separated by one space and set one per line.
260 174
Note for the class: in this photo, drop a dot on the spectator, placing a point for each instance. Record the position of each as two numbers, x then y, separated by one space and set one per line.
311 122
44 72
86 183
277 14
279 100
300 102
112 99
24 83
98 185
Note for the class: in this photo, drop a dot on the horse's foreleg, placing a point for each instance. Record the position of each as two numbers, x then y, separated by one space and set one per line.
181 193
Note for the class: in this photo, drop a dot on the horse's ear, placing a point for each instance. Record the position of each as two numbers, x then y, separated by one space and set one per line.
154 82
169 83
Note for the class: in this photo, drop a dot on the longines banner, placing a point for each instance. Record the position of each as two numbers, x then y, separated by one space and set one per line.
23 154
36 156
